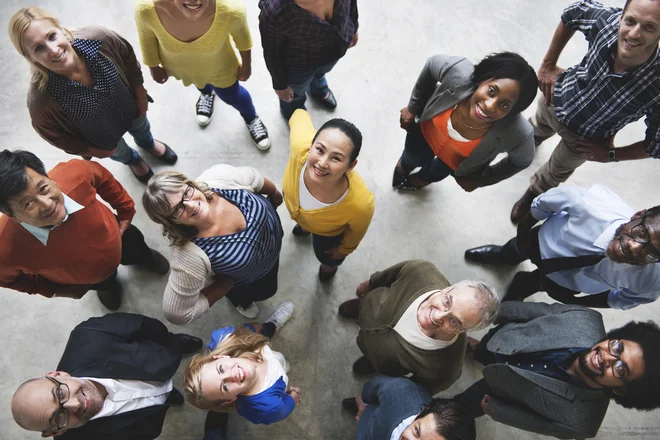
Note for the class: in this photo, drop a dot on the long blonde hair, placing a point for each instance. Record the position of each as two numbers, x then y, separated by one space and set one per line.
18 24
241 343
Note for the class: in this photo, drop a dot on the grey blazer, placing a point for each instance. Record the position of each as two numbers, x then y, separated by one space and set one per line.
535 402
445 82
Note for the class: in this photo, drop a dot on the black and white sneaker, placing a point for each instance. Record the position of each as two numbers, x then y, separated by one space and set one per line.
259 134
205 108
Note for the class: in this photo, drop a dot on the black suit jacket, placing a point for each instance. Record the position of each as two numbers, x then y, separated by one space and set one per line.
122 346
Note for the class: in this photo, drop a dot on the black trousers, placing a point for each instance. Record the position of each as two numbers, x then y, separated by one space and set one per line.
259 290
512 254
134 250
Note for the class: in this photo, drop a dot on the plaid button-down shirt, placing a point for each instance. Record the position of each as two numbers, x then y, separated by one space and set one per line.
296 40
596 103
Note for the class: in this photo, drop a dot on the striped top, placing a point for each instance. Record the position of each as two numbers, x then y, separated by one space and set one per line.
593 101
250 254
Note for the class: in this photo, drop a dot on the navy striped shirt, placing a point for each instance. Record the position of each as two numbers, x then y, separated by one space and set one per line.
594 102
102 113
248 255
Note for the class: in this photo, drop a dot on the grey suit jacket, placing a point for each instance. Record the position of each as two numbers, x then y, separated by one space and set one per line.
445 82
535 402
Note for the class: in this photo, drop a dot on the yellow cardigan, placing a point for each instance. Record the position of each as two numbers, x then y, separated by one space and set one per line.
350 217
212 58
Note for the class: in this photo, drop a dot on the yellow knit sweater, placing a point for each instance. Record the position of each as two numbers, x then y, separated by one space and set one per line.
350 217
212 58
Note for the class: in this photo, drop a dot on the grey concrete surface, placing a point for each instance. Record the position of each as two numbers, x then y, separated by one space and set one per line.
372 83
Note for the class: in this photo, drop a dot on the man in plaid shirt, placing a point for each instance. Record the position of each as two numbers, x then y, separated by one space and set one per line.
616 83
302 41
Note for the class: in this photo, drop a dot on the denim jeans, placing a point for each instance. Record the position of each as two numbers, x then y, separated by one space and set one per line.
418 153
322 244
237 96
312 81
141 132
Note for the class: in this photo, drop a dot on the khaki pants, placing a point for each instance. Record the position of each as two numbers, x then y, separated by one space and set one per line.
564 159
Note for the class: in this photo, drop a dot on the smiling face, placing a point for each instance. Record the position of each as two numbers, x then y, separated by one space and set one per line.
493 100
196 209
193 9
422 429
598 366
47 45
330 157
226 378
448 312
623 248
36 405
639 32
41 204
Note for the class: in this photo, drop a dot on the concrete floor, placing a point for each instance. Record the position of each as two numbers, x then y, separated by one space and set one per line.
371 83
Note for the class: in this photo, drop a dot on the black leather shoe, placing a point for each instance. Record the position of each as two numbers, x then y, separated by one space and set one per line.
350 309
157 263
523 285
189 344
298 231
110 295
175 398
488 254
144 178
169 157
350 405
330 102
326 276
363 367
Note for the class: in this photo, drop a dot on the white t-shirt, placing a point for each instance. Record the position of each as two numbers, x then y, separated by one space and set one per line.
408 328
277 367
130 395
307 201
453 133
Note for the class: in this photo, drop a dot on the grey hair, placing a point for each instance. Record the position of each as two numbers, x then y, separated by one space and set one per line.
485 299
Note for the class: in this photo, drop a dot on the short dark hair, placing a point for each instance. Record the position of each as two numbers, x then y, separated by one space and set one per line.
13 178
451 420
509 65
643 393
653 213
349 129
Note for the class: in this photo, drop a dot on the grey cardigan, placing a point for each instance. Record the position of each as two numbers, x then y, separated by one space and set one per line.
532 401
445 82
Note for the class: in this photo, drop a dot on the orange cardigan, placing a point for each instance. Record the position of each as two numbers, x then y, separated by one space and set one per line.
84 250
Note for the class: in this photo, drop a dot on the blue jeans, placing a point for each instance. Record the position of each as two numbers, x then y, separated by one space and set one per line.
237 96
418 153
322 244
141 132
312 81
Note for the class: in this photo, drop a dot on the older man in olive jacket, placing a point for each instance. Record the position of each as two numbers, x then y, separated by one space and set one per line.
412 320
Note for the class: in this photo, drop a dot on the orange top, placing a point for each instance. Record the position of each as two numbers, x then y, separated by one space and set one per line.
448 150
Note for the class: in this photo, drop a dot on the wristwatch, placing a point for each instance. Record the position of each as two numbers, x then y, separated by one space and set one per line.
612 155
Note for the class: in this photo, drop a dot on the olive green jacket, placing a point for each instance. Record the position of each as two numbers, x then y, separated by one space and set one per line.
394 290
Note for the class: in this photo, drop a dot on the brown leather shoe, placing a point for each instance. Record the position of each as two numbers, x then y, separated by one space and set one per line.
350 309
522 206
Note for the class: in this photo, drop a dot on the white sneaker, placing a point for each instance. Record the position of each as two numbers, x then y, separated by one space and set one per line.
282 314
205 108
259 134
251 312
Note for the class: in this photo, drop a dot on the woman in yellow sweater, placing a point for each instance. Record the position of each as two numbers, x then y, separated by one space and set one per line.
323 194
197 41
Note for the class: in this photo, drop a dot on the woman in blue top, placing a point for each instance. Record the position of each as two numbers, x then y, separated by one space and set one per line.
241 372
226 239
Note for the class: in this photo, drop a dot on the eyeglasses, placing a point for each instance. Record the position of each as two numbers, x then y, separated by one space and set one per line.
640 234
180 207
615 347
455 324
62 393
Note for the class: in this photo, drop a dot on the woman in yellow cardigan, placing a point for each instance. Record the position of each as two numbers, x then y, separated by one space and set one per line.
196 41
323 194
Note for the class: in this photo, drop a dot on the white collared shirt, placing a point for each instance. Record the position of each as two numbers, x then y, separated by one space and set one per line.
583 222
41 234
130 395
396 434
408 328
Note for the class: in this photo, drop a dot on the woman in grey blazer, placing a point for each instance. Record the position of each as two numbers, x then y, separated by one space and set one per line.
460 116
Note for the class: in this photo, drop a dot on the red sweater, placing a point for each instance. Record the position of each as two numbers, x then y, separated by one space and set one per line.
84 250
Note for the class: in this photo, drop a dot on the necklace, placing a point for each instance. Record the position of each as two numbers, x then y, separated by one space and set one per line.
463 118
